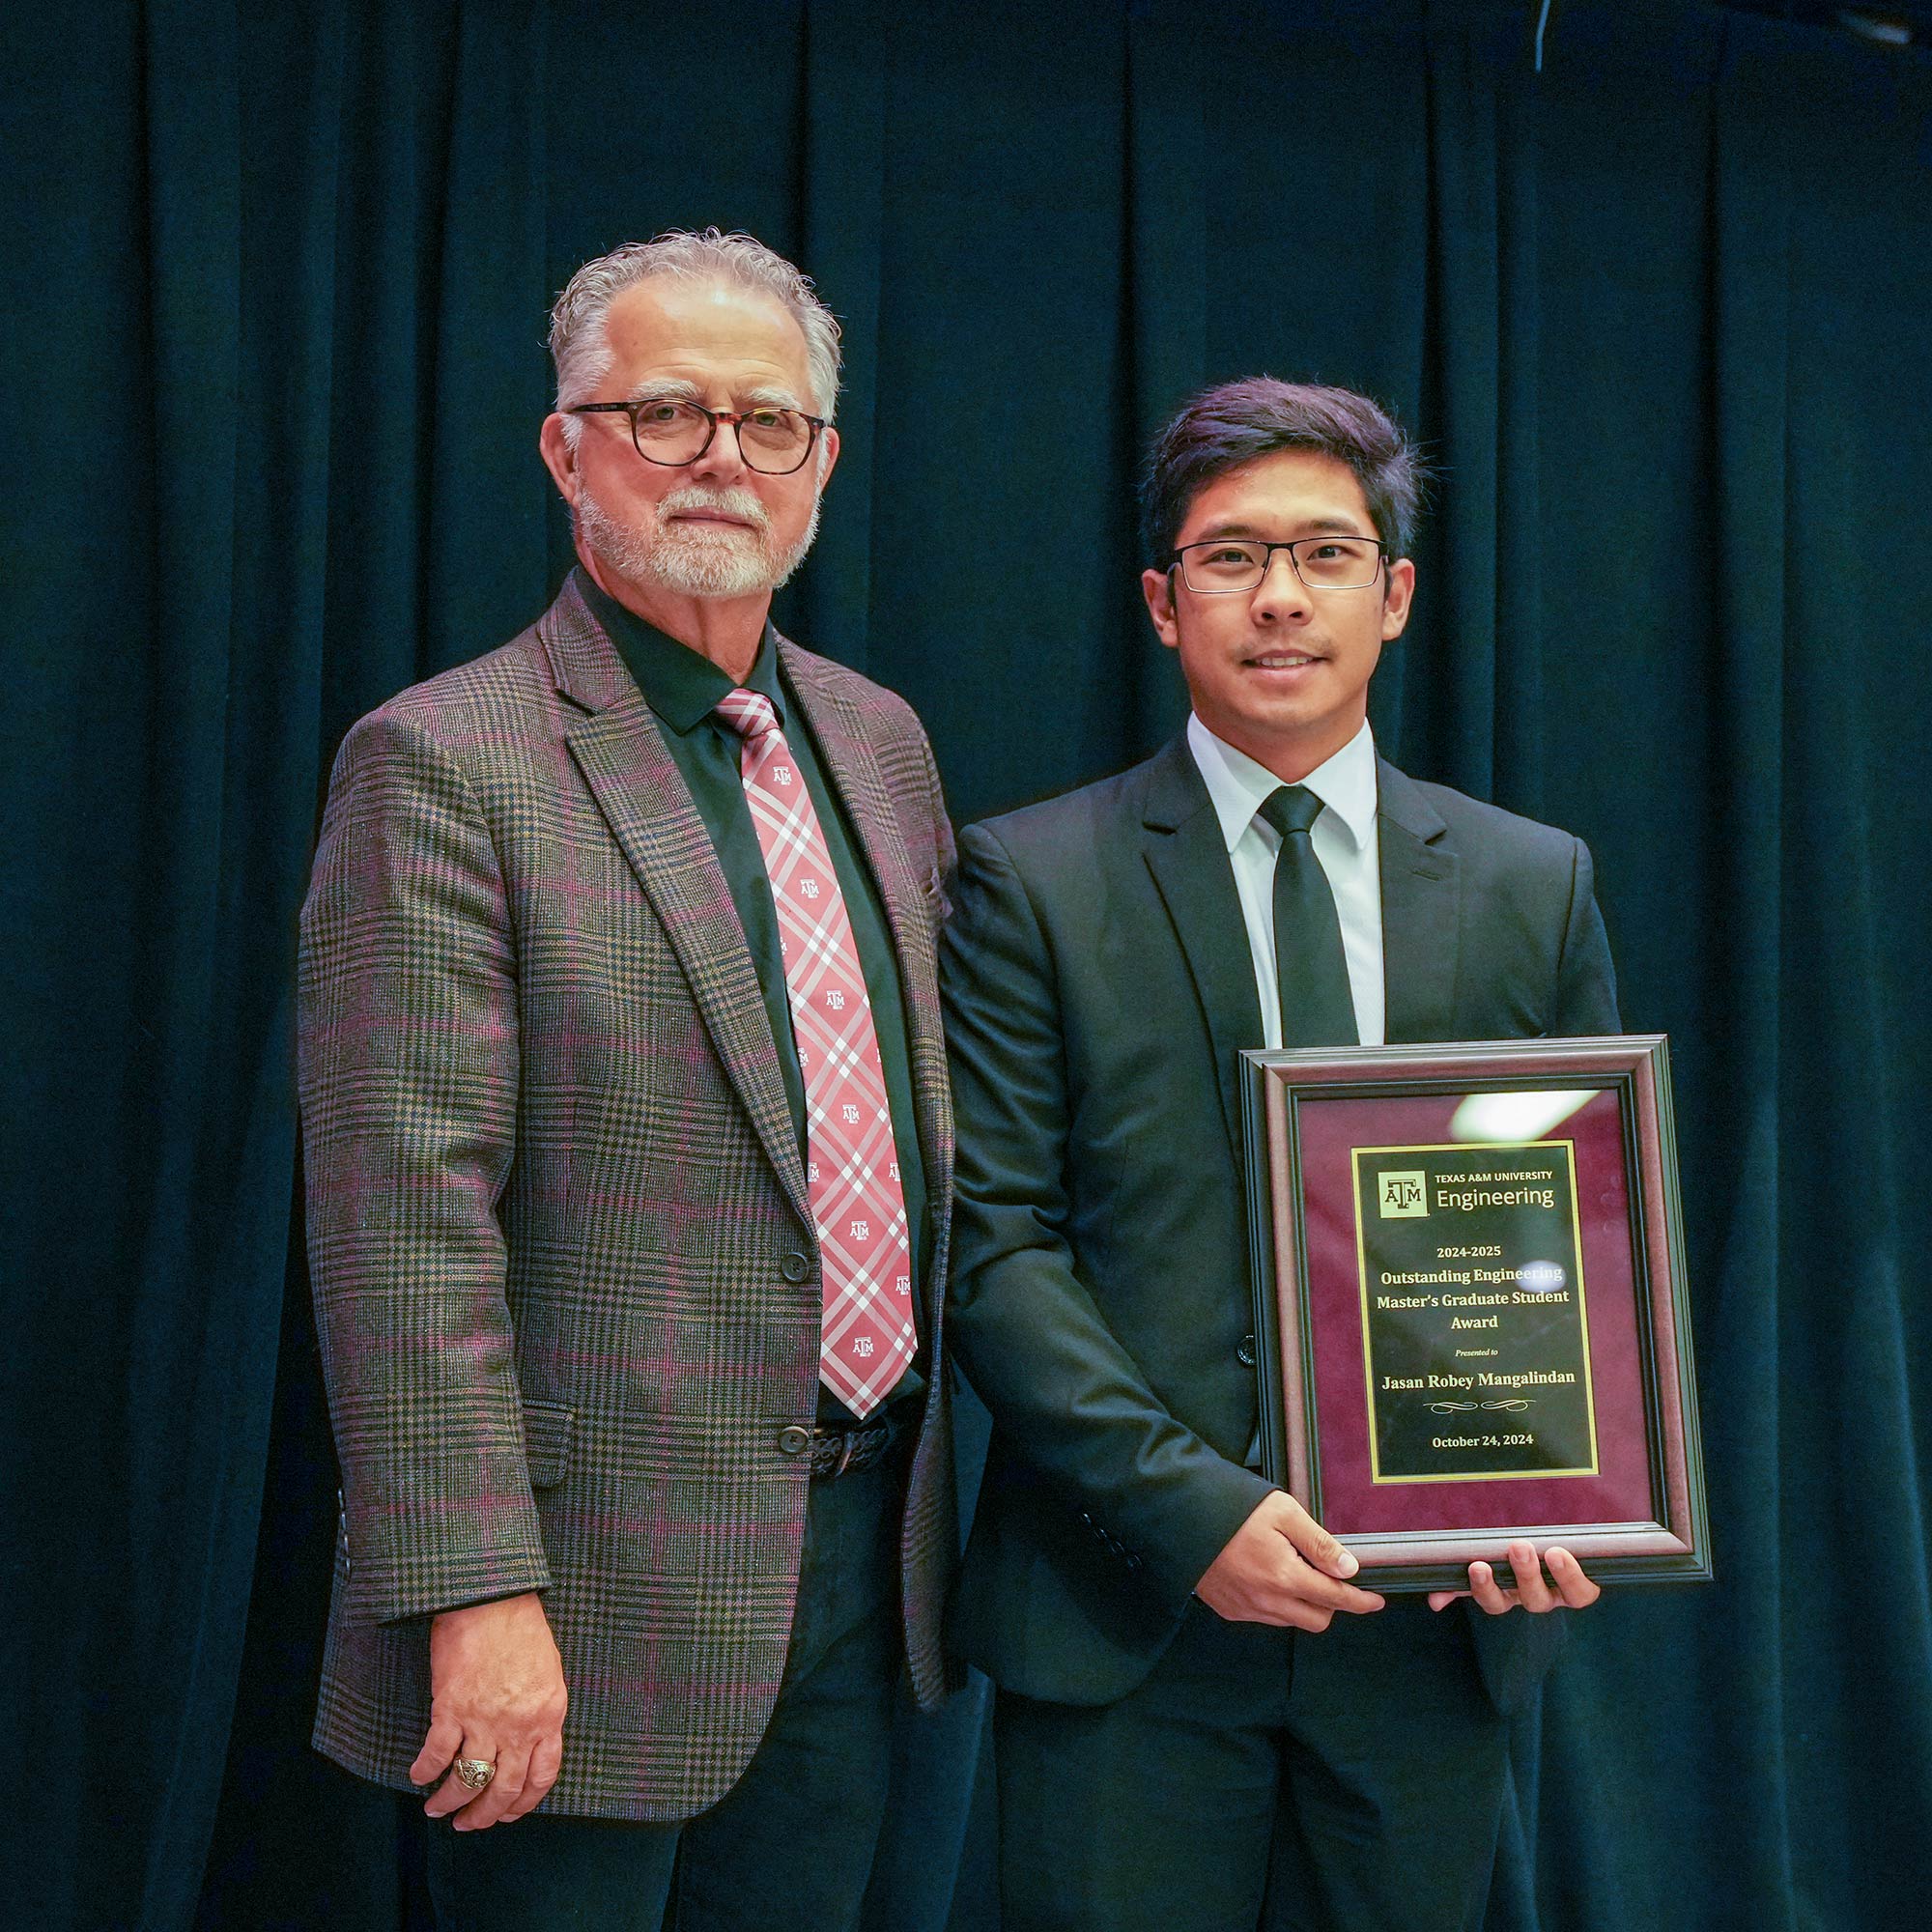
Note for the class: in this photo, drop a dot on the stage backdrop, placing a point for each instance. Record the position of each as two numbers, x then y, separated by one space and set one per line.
273 346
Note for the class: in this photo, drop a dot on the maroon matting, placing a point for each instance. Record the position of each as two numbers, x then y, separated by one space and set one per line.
1352 1502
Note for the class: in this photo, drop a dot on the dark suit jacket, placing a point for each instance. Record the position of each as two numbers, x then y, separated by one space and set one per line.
565 1274
1098 987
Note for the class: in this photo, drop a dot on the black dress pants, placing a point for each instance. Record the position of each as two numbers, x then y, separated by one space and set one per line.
792 1842
1349 1781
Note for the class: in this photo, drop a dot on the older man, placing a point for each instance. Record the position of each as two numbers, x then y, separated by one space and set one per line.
628 1158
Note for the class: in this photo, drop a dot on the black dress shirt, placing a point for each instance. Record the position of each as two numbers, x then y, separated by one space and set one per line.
682 688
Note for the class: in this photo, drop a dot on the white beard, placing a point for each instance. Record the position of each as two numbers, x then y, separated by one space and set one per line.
691 560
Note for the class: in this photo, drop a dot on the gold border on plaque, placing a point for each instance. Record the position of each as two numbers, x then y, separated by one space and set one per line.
1376 1475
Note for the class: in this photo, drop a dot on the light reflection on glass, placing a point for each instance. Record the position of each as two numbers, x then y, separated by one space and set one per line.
1517 1117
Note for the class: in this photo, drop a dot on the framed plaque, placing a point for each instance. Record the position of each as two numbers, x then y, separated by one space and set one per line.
1471 1323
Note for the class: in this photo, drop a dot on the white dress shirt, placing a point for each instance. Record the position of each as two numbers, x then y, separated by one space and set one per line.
1346 843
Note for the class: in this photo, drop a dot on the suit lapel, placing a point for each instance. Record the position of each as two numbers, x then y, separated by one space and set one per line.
1188 858
1421 894
852 768
644 800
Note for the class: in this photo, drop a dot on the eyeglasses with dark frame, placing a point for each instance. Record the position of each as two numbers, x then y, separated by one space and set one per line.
674 432
1224 565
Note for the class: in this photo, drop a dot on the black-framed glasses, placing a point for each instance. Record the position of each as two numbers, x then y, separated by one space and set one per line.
671 430
1240 563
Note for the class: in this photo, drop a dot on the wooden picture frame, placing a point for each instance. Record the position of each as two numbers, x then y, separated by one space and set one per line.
1427 1391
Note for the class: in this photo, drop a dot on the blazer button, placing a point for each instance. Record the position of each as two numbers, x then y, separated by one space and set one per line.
796 1267
1246 1352
794 1442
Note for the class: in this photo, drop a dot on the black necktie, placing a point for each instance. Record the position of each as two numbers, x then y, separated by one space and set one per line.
1311 969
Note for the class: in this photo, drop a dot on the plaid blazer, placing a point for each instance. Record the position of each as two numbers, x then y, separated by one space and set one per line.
566 1282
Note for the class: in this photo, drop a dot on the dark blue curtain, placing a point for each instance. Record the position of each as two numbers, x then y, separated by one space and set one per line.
273 343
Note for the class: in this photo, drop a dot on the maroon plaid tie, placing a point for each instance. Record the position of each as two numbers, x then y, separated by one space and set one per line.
852 1172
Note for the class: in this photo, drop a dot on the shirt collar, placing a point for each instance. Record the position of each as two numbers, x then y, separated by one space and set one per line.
1236 784
681 686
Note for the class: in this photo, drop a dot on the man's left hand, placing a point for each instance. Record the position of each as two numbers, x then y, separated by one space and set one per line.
1567 1588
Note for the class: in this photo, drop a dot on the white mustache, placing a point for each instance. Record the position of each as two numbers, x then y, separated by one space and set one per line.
733 503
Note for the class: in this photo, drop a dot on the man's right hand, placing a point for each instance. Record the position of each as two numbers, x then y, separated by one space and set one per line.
495 1693
1282 1567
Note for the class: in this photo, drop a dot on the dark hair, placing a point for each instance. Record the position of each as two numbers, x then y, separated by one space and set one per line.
1235 422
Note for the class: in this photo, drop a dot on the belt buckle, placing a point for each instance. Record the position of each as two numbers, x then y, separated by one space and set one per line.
848 1442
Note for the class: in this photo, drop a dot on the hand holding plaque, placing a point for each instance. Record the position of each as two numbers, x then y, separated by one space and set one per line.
1552 1582
1470 1308
1281 1567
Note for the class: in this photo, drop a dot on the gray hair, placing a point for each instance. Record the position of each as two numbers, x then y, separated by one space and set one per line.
1234 423
579 344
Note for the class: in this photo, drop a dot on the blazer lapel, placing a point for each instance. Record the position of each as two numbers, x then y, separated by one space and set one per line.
1421 892
1188 858
853 768
643 798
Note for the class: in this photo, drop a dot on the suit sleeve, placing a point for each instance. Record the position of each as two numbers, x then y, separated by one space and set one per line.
1034 1344
1586 983
407 1063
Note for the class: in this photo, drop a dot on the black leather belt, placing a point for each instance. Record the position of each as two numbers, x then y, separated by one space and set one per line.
840 1452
